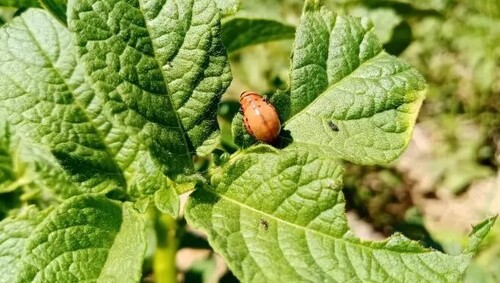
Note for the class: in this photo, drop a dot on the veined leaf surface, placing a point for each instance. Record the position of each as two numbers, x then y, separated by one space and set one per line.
14 232
45 99
159 68
87 238
347 98
126 131
279 217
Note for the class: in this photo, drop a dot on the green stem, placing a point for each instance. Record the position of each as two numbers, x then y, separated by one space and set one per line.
164 258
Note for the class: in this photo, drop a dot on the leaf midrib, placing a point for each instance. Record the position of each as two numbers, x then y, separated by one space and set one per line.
155 54
345 242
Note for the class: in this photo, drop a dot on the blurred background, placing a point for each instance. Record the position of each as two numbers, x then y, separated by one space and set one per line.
447 180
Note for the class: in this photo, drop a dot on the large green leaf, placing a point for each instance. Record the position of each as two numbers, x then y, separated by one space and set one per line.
87 238
347 97
82 142
44 96
58 7
278 216
159 68
14 232
341 75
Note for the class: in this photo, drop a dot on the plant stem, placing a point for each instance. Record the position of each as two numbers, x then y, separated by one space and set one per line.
164 258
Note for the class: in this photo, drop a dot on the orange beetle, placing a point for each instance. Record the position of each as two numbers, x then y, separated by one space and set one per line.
259 116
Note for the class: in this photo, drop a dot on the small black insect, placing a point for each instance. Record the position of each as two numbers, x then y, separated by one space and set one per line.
332 126
264 224
168 65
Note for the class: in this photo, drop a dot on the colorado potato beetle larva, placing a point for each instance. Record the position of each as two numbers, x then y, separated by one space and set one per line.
259 116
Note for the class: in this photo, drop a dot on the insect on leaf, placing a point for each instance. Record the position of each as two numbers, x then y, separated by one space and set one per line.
341 76
279 216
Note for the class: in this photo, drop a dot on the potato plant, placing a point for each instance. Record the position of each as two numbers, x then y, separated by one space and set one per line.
109 114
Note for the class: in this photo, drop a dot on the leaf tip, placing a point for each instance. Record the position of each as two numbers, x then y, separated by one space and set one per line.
367 23
479 232
310 5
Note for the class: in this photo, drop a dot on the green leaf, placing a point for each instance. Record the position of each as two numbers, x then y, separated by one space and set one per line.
167 201
87 238
43 93
341 75
478 233
278 216
19 3
83 142
142 204
14 232
486 264
347 98
159 68
57 8
209 145
241 32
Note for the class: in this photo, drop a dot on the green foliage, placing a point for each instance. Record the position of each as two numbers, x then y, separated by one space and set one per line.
485 267
283 212
459 57
117 110
40 246
85 238
162 82
84 141
41 81
167 201
372 97
107 146
14 234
